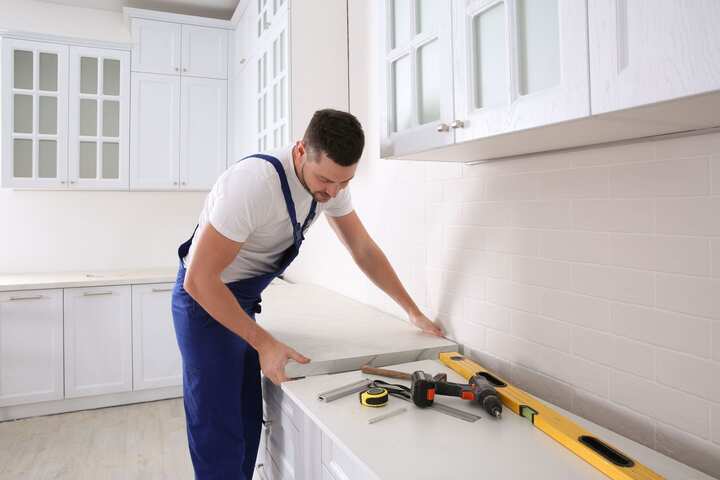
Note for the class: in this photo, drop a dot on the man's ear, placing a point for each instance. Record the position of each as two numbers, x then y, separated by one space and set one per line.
300 148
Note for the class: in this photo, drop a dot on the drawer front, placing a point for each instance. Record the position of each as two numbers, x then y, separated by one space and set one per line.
274 394
341 465
282 440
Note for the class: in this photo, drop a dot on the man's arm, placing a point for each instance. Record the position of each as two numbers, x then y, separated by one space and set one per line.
373 262
213 253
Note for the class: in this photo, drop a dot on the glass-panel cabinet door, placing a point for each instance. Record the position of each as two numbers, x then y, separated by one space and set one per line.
512 72
415 48
34 111
99 113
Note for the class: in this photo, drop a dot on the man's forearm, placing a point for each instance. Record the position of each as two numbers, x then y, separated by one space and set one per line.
376 266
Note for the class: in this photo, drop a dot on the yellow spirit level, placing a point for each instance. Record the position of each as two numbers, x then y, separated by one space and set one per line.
609 460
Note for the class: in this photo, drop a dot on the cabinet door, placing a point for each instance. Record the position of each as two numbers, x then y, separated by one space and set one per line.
155 132
204 51
156 357
203 149
416 53
31 346
98 356
648 51
100 118
519 64
156 46
34 114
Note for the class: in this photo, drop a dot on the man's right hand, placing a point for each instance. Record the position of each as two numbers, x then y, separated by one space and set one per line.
274 356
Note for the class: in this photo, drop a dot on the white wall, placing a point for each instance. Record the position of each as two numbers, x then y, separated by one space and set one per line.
591 279
50 18
80 231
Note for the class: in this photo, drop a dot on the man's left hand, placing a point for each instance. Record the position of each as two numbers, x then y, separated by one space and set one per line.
425 324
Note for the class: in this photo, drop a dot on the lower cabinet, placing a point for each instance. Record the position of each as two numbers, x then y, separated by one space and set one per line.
98 343
31 346
293 447
156 357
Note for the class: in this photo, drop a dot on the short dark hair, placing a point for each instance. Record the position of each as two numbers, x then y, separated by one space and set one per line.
338 134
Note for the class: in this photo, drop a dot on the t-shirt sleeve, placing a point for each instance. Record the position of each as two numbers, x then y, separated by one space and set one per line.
340 205
243 202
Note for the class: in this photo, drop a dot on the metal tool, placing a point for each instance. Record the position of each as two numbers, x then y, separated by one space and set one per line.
387 415
344 391
425 388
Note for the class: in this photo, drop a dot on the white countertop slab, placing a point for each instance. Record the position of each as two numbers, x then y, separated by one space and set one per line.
38 281
423 444
340 334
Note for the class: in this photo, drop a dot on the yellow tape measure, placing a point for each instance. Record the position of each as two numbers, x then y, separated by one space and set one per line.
374 397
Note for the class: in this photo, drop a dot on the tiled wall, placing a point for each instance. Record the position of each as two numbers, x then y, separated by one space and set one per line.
590 278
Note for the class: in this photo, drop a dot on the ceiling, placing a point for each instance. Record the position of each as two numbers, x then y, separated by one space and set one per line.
204 8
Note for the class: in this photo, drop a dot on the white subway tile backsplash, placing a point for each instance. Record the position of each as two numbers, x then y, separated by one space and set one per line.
443 170
619 419
488 214
612 350
512 240
669 178
541 214
715 253
512 187
545 331
488 314
689 216
715 423
614 215
633 251
688 255
463 237
542 386
513 295
716 340
575 183
499 265
690 374
496 365
687 147
715 171
472 335
636 152
542 273
465 286
662 403
688 449
621 284
575 246
576 309
534 163
465 190
693 295
443 213
667 329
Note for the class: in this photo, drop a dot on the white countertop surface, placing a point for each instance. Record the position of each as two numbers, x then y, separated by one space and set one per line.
94 278
340 334
423 444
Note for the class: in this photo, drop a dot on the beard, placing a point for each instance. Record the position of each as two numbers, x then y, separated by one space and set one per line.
321 197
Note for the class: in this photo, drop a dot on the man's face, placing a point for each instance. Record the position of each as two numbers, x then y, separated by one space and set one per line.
323 177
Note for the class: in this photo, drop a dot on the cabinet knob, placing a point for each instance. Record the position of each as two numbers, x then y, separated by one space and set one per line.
184 69
63 182
72 182
177 69
242 61
184 183
443 127
457 124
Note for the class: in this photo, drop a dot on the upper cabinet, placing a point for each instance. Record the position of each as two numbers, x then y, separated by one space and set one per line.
172 49
649 51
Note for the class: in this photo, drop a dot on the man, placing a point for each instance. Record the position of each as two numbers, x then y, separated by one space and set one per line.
250 229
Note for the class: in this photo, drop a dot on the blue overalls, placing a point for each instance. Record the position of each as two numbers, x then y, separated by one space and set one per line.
221 371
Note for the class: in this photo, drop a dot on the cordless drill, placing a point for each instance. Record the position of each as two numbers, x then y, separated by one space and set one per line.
424 388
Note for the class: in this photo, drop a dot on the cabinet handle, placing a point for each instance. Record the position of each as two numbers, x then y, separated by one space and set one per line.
184 183
96 294
72 182
175 183
242 61
34 297
177 69
158 290
457 124
443 127
184 69
62 182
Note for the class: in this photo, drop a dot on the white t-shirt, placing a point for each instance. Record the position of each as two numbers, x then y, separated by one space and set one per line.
247 205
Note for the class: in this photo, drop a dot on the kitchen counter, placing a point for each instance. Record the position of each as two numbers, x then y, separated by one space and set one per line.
423 444
40 281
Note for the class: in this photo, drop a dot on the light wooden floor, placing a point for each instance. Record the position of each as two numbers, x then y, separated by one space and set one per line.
143 441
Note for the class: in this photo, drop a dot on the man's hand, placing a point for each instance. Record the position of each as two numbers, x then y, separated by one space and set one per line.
274 356
425 324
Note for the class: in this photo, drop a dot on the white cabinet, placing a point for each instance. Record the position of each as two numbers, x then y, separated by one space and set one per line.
171 49
519 64
203 132
34 114
31 346
649 51
416 75
99 118
98 339
155 134
156 358
156 46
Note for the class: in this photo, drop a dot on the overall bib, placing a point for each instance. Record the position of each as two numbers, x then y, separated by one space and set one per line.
221 371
